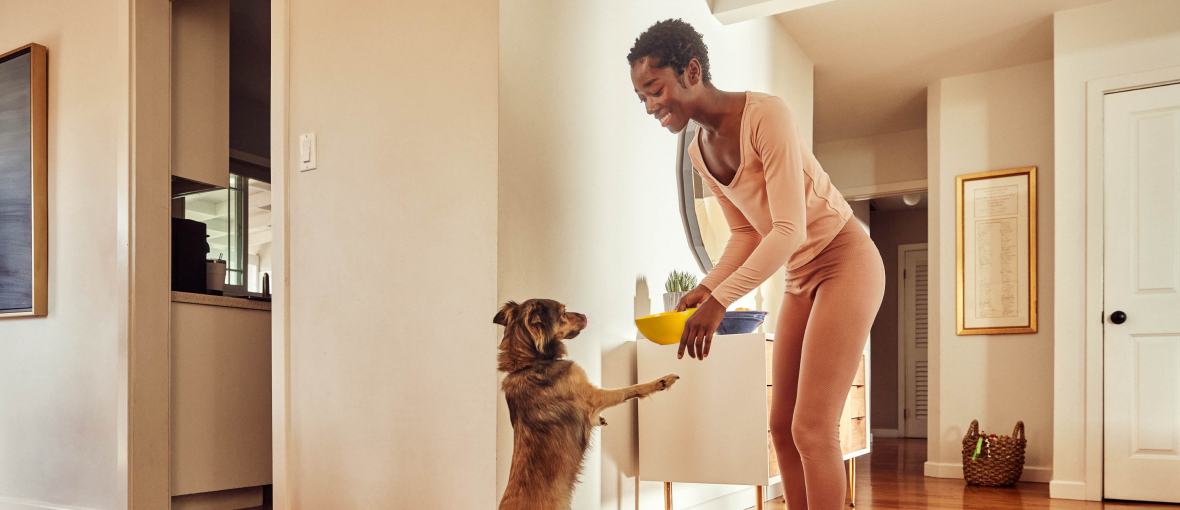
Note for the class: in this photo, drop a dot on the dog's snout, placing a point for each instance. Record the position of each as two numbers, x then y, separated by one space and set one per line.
585 321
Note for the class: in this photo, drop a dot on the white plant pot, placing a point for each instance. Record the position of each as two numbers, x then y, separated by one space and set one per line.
671 299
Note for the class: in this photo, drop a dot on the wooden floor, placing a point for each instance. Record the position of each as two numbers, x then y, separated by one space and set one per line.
891 478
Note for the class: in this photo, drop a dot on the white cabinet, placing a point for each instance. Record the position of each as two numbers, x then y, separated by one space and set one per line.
713 426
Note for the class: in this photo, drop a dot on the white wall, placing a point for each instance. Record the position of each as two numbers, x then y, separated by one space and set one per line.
1105 40
588 206
393 255
874 160
59 375
990 121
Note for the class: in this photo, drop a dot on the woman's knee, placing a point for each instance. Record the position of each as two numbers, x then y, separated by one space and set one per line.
813 435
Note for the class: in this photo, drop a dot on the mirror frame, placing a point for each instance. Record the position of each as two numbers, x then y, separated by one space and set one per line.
688 210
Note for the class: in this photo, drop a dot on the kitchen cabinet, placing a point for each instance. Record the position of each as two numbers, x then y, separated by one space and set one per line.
200 91
221 395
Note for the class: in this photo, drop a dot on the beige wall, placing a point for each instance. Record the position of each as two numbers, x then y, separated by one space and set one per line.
890 230
588 206
990 121
874 160
1105 40
393 255
59 375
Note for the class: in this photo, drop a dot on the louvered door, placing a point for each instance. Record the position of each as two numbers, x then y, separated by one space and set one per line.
914 321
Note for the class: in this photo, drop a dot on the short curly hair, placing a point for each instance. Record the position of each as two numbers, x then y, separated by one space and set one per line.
672 43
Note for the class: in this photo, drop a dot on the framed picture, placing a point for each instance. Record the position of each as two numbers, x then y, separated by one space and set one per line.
996 256
24 161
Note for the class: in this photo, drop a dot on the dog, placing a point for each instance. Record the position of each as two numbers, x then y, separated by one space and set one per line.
552 405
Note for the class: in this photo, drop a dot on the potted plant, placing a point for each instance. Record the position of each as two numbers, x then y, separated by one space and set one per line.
678 284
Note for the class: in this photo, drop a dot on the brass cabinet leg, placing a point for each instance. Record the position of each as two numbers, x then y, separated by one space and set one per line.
667 495
852 480
758 492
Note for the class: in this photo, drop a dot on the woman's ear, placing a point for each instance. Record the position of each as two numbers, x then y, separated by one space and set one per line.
692 73
506 314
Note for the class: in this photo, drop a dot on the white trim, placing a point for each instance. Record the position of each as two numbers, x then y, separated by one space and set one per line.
1067 490
19 504
884 190
1031 474
280 130
736 500
1094 424
901 251
246 157
887 433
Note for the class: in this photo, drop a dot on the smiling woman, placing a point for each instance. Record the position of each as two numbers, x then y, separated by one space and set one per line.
781 209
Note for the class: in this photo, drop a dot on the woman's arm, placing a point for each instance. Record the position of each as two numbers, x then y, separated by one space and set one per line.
778 142
743 238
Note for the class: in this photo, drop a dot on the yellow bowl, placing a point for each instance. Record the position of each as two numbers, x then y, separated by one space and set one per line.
664 328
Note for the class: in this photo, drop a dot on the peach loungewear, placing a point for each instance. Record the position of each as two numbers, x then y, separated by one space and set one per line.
783 210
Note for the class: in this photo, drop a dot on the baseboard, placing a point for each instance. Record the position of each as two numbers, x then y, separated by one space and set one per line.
886 433
1059 489
19 504
1032 474
737 500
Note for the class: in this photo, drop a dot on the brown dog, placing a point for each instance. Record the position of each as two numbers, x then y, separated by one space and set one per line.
552 404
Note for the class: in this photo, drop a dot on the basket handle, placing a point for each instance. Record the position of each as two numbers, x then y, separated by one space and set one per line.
973 430
1018 432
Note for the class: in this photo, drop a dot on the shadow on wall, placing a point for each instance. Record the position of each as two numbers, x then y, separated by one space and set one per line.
619 438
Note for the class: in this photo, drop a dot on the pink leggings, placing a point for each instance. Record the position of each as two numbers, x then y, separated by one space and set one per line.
829 308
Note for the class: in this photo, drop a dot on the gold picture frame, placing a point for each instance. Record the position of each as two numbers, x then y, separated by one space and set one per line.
996 252
25 236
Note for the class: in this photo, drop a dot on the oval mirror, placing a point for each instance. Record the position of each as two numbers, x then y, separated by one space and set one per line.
704 222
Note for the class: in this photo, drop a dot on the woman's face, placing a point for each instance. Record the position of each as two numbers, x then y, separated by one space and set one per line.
664 94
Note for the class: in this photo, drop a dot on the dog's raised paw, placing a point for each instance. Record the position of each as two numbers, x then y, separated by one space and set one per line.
602 421
667 381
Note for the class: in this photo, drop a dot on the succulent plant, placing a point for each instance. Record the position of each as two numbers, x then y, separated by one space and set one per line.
680 282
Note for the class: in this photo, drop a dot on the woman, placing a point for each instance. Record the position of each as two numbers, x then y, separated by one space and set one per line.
783 210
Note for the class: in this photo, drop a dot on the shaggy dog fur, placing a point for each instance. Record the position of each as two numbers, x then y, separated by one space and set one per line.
552 404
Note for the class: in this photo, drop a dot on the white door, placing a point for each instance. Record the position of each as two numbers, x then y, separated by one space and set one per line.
913 306
1142 283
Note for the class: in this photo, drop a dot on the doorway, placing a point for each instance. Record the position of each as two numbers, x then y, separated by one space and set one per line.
898 226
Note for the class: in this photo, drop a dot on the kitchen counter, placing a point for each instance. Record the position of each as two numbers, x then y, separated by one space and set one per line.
226 301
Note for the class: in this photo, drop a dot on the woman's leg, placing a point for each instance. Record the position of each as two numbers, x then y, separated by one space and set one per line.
842 314
788 344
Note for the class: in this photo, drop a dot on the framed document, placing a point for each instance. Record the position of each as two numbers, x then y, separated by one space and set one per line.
24 158
996 234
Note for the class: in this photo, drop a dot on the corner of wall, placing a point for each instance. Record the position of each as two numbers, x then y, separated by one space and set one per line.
934 198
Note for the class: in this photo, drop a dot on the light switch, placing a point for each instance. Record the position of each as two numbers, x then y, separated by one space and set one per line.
307 152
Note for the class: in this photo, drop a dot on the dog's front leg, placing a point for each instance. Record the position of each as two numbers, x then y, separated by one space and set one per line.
606 399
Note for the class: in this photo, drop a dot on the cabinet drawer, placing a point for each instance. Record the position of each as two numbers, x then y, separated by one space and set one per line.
773 456
769 362
860 373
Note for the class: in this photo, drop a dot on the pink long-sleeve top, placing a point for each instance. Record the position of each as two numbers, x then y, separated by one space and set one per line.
781 207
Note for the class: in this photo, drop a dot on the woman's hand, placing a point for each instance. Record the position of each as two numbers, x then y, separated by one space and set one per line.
694 298
699 329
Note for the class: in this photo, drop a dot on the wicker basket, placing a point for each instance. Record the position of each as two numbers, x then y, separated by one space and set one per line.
1000 461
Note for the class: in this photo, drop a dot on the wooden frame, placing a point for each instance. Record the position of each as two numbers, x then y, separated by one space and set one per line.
39 166
960 287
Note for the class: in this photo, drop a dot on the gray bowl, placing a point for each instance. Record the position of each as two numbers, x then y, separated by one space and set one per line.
737 323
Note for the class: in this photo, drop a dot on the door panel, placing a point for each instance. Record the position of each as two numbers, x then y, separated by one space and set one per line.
915 279
1141 278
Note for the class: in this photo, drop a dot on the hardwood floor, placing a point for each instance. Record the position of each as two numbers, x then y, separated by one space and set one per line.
891 478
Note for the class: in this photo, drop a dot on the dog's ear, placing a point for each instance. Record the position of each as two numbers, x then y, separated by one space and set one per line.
506 313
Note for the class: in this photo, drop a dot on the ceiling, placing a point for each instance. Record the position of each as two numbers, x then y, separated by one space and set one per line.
874 58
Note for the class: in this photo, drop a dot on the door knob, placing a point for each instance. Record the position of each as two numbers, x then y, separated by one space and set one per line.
1118 317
